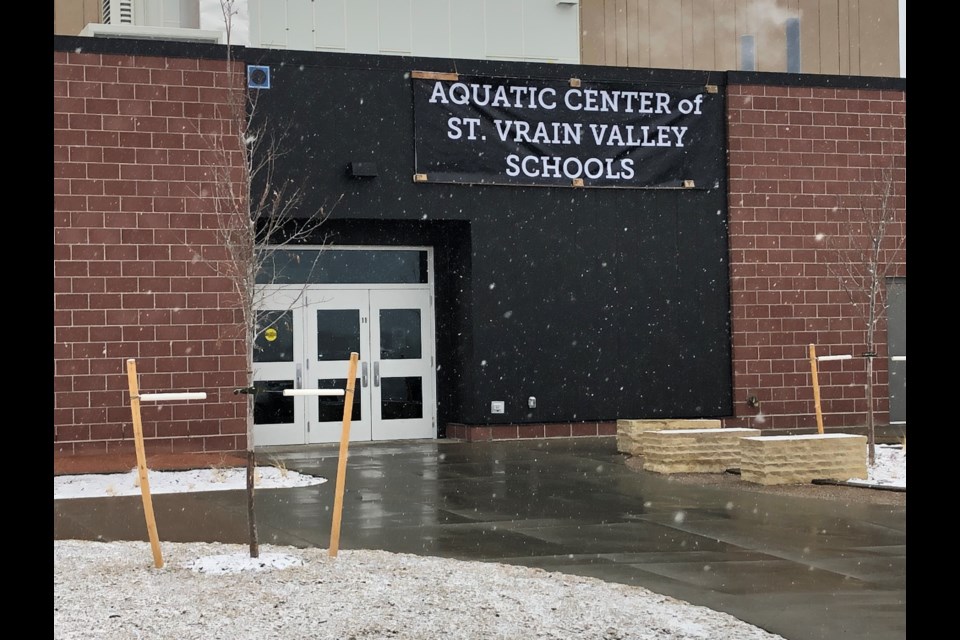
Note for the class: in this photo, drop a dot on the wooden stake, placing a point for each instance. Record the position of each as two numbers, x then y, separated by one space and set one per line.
142 462
816 387
342 464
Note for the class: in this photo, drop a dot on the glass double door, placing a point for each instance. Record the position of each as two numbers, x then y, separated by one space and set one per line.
394 391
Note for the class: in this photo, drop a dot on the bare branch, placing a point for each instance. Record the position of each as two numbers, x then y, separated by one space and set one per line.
861 259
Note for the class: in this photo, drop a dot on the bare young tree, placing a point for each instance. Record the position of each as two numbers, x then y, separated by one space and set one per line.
255 208
867 249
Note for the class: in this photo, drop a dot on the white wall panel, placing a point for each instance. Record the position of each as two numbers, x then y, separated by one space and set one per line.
473 29
329 24
549 33
363 26
467 29
431 28
300 13
504 28
395 26
183 14
271 24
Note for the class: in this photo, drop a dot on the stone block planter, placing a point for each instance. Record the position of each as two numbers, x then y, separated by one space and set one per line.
629 432
801 459
693 450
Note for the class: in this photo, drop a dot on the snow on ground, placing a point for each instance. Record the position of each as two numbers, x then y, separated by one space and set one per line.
889 467
112 590
213 479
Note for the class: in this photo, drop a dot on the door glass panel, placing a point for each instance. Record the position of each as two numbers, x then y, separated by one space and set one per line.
342 266
401 398
270 406
338 334
274 337
330 408
400 334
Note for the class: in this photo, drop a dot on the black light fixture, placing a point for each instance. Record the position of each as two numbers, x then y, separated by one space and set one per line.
362 169
258 76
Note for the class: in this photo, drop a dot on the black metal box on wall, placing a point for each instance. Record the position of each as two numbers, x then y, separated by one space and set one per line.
601 294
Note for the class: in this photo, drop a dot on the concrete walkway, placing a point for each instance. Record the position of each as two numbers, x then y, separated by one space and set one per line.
800 567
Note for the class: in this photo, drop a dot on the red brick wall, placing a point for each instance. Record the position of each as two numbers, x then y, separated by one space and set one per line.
800 158
135 245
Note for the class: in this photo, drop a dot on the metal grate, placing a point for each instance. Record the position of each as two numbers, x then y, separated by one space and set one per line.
117 11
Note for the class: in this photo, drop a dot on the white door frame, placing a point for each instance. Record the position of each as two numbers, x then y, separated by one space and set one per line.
389 375
303 301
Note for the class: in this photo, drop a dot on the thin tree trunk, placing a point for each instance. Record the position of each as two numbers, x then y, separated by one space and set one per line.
251 456
871 344
251 518
871 437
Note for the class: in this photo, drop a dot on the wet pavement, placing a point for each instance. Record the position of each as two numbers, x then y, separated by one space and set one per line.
803 568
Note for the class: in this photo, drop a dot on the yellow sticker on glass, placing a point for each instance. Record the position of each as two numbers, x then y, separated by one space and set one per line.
270 334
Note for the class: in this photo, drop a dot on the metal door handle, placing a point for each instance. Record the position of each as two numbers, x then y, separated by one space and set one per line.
376 373
363 374
299 382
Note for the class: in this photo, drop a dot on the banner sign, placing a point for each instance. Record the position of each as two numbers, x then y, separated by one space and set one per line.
479 130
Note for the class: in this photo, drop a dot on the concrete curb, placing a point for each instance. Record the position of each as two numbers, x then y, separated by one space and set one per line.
845 483
862 485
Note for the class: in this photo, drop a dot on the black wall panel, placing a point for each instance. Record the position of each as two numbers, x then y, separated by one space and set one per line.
602 303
